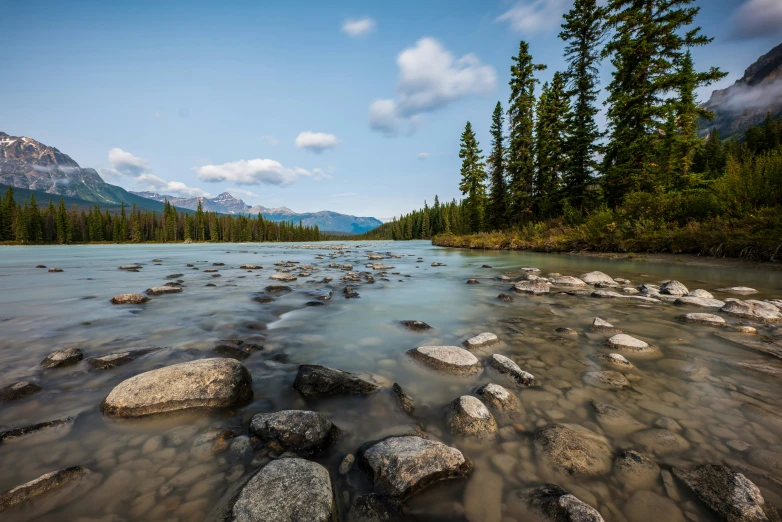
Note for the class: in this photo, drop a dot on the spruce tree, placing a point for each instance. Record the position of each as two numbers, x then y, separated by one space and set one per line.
473 183
520 165
583 32
551 135
22 223
497 210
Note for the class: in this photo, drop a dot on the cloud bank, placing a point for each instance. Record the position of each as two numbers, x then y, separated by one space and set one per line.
125 167
757 18
316 142
256 172
358 27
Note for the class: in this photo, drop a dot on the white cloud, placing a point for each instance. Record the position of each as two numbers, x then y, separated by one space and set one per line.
422 155
316 141
533 16
242 193
271 140
430 77
757 18
256 172
125 165
358 27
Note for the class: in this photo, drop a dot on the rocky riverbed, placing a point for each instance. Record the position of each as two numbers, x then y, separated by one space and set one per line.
385 381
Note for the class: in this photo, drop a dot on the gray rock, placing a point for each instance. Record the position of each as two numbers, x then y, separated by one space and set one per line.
573 449
283 277
448 359
47 492
207 383
609 380
613 360
113 360
130 267
416 326
347 464
704 319
314 380
567 281
468 417
554 504
505 297
323 294
630 346
295 430
500 399
287 490
607 294
404 400
509 368
635 471
730 496
402 466
481 341
250 267
160 290
41 432
775 302
703 302
592 278
18 390
531 287
751 309
60 358
673 288
700 293
602 326
129 299
375 508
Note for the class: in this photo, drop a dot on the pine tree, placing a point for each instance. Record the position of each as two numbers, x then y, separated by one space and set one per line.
551 135
582 30
62 224
498 191
22 223
34 221
123 233
520 165
473 183
8 212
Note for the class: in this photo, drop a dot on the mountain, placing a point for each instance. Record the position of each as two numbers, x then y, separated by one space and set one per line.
225 203
746 102
29 164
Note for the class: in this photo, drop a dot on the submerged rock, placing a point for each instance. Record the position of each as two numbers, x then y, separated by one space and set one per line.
129 299
160 290
606 380
314 380
573 449
349 293
402 466
593 278
531 287
41 432
613 360
567 281
206 383
47 492
704 319
509 368
323 294
468 417
602 326
112 360
278 289
448 359
649 506
404 400
703 302
661 441
60 358
505 297
738 290
130 267
18 390
283 277
372 507
250 267
673 288
631 346
700 293
554 504
481 340
752 309
473 282
416 326
288 489
635 471
295 430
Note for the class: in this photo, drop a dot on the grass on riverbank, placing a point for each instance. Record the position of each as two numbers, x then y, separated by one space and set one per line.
757 236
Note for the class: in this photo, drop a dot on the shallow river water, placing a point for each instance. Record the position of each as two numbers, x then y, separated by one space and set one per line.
168 467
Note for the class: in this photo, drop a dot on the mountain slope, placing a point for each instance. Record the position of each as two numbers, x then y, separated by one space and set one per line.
746 102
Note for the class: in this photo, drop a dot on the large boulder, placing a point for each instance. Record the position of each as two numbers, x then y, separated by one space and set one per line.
314 380
732 497
467 416
552 503
573 449
60 358
510 369
448 359
207 383
287 490
401 466
295 430
535 287
593 278
751 309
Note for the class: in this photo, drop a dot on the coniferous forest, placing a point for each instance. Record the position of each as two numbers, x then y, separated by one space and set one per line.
551 180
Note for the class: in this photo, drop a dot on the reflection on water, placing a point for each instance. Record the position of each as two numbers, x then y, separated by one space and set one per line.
178 467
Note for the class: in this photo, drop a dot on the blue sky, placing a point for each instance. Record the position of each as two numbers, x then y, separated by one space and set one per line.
351 106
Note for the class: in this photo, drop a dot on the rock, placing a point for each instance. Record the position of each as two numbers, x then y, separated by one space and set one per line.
661 441
289 489
40 266
567 281
375 508
615 421
607 294
647 506
761 368
483 497
416 326
730 496
635 471
530 270
531 287
350 293
113 360
751 309
673 288
160 290
130 267
700 293
481 341
295 430
206 383
402 466
321 295
573 449
668 424
41 432
599 325
314 380
260 297
738 290
613 360
505 297
606 380
47 492
593 278
704 319
231 351
744 329
448 359
60 358
473 282
631 346
762 416
283 277
18 390
500 399
404 400
468 417
250 267
775 302
507 367
703 302
129 299
554 504
565 331
278 289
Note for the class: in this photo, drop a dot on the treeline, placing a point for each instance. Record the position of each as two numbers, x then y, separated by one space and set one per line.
30 224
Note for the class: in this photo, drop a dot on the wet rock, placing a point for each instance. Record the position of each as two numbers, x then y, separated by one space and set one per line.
761 368
375 508
631 346
613 360
60 358
314 380
567 281
668 424
700 293
54 270
278 289
468 417
704 319
738 290
448 359
530 270
607 294
635 471
509 368
160 290
231 351
593 278
751 309
295 430
260 297
349 293
602 326
573 449
606 380
473 282
531 287
289 489
500 399
775 302
505 297
47 492
250 267
40 266
481 341
206 383
41 432
673 288
762 416
113 360
130 267
744 329
404 400
18 390
730 496
703 302
401 466
566 331
129 299
436 264
647 506
283 277
554 504
416 326
321 295
661 441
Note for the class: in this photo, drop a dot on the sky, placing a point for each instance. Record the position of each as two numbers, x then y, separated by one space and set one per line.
355 107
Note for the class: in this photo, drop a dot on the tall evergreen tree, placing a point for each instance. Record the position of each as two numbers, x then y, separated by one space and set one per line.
520 167
583 31
497 208
473 183
551 135
34 221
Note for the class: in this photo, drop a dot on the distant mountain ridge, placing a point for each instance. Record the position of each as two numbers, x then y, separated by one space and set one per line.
746 102
226 203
